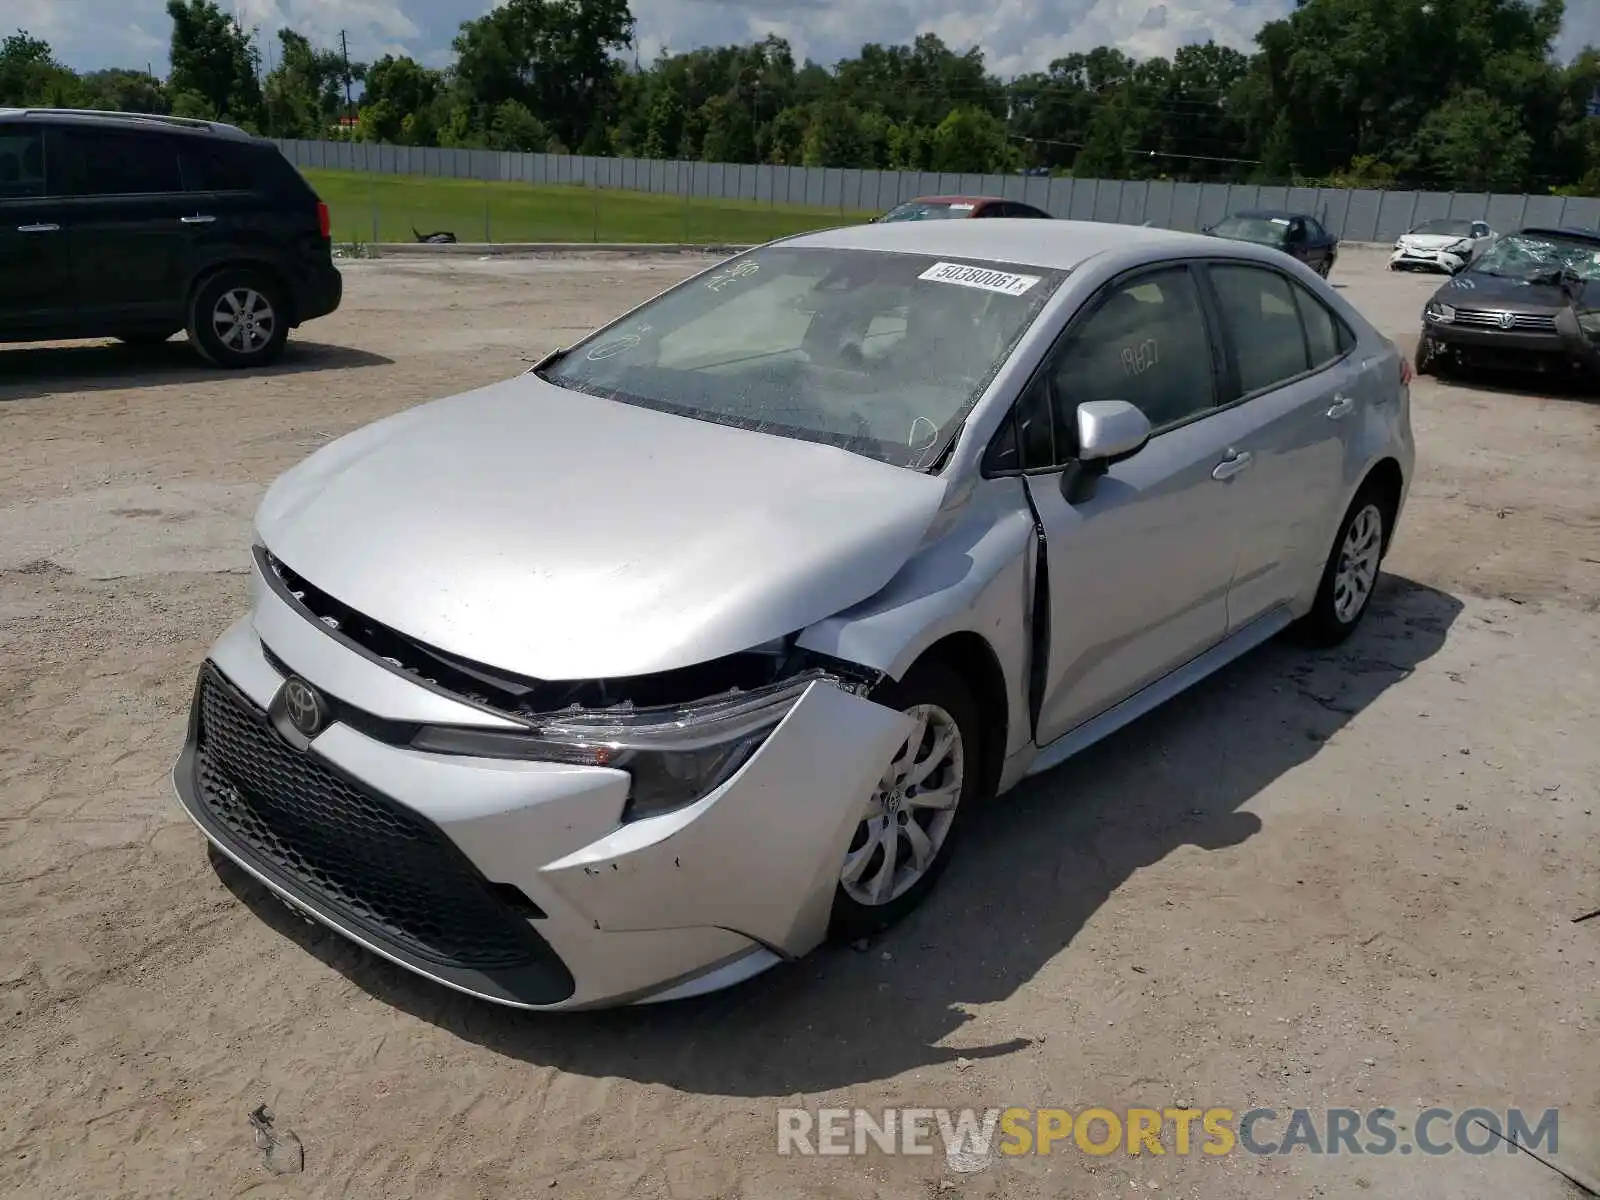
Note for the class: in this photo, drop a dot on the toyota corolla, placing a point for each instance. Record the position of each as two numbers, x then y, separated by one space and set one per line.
637 674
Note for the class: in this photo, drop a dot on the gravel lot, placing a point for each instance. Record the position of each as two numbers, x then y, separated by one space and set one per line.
1317 880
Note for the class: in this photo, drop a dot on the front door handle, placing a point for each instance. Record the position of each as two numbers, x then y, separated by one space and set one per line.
38 229
197 220
1237 460
1342 406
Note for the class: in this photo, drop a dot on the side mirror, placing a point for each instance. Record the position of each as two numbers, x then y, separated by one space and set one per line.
1207 228
1108 432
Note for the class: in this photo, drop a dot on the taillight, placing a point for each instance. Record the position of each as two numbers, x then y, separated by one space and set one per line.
324 222
1406 373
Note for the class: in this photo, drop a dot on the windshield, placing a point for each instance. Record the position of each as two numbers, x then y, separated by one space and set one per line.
924 210
1266 231
882 354
1445 227
1532 256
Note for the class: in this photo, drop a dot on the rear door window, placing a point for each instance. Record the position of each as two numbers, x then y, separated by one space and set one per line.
21 162
1327 337
114 162
1263 324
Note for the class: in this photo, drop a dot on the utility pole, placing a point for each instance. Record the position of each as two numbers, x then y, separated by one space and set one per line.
344 49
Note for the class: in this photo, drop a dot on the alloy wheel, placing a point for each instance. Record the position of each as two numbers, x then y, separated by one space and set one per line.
910 812
243 320
1357 571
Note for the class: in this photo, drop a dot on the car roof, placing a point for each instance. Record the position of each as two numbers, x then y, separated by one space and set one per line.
126 120
956 200
1053 245
1582 235
1271 214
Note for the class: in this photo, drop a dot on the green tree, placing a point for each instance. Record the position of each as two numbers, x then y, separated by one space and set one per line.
30 74
1474 142
213 62
970 140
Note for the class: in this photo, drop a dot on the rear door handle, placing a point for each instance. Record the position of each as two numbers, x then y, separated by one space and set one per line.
1342 405
197 220
38 229
1237 460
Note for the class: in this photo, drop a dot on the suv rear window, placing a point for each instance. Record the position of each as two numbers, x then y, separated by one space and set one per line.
216 166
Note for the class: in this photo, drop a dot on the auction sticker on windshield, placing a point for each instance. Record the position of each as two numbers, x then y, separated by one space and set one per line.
986 278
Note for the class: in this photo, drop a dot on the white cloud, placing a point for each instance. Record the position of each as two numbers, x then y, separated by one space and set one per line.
1016 35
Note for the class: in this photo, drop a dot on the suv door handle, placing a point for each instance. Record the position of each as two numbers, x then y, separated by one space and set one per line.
38 229
197 220
1237 460
1342 405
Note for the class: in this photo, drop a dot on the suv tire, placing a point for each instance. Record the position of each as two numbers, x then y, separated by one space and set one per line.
237 319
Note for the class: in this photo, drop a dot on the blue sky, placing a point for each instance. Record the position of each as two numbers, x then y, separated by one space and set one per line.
1017 35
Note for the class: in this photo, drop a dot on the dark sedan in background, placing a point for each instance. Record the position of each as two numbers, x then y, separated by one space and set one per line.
946 208
1531 302
1298 235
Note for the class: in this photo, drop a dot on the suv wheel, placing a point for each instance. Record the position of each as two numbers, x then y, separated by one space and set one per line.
236 319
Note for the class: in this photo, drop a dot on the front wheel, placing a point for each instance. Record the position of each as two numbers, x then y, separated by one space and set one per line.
905 833
236 319
1351 574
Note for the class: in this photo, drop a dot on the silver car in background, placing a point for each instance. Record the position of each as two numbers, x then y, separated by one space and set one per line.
630 677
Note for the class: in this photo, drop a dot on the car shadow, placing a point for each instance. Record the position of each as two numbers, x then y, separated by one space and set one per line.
1510 383
28 372
1035 867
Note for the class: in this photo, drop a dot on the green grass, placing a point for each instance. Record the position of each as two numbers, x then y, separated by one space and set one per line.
386 208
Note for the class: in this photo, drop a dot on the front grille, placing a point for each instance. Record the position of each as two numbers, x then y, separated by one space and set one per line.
1520 322
361 856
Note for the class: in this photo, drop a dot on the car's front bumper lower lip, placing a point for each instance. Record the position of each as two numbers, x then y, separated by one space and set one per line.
623 912
1440 259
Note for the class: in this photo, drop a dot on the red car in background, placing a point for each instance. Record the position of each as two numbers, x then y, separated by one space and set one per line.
944 208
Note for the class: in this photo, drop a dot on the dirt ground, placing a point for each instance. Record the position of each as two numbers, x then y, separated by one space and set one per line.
1346 878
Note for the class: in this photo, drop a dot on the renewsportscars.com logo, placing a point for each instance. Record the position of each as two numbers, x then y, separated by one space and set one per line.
971 1138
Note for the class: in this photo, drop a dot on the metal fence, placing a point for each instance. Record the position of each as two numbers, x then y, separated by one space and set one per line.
1354 215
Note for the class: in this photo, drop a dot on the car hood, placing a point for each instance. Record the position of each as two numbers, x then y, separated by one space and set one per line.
558 535
1474 289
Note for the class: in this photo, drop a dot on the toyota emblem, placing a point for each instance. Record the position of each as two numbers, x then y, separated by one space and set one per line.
1507 320
303 706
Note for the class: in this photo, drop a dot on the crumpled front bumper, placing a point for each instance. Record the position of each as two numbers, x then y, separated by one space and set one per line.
1438 260
600 911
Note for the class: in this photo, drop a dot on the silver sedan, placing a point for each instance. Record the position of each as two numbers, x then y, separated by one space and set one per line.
635 675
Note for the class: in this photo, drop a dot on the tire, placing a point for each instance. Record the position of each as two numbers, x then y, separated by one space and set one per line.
256 301
1352 568
145 340
942 696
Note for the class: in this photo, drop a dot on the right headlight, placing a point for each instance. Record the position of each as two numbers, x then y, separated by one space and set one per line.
1589 322
673 755
1443 314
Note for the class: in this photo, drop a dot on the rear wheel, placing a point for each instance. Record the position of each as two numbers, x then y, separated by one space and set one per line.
236 319
910 823
1351 574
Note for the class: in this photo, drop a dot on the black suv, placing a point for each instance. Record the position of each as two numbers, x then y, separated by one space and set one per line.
135 227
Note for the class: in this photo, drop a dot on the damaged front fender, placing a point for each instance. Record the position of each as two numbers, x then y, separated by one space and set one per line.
761 854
